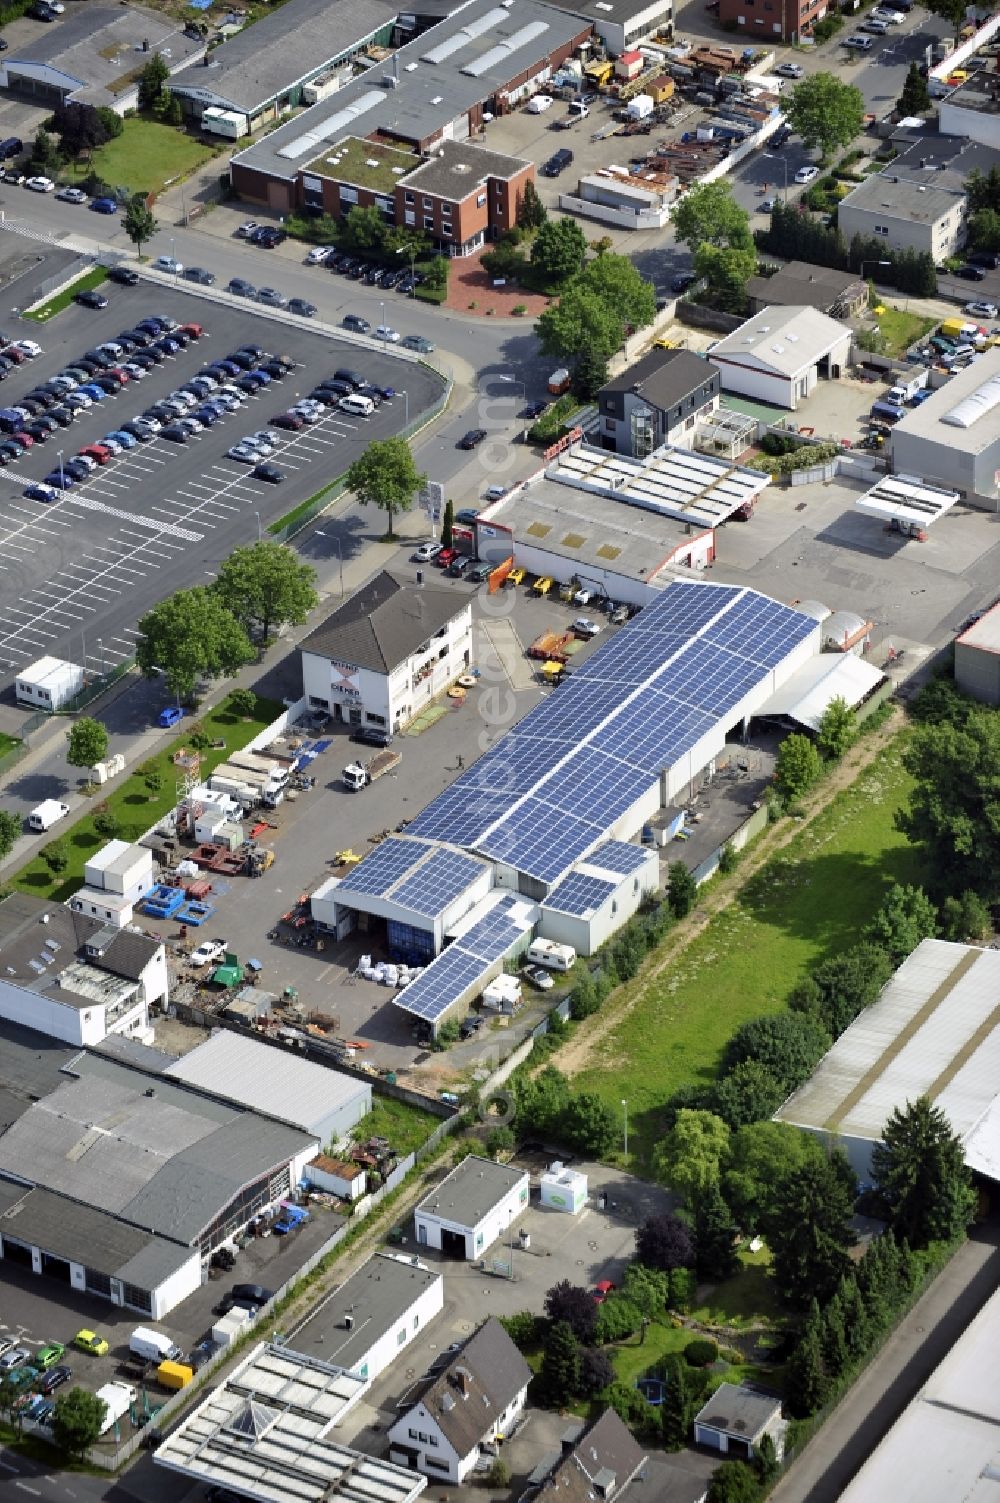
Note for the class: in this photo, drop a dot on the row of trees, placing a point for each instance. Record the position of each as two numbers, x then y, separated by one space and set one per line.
77 1416
206 631
793 235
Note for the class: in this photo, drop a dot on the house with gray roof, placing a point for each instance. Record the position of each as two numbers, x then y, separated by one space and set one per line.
385 653
735 1420
467 1411
660 399
598 1463
918 201
472 1207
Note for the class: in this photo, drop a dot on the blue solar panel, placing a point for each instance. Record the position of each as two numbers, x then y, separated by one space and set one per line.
383 866
539 839
579 894
598 787
438 882
619 856
494 934
441 984
460 813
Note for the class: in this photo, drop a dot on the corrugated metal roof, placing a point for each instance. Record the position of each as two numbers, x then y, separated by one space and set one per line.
268 1080
934 1031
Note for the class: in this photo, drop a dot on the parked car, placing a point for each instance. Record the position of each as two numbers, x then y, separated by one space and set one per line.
240 287
47 1356
806 174
417 342
268 472
55 1378
104 205
683 280
40 185
540 977
356 323
970 273
426 552
169 264
387 334
208 951
124 276
271 297
290 420
602 1290
169 716
586 627
301 307
467 515
89 1341
790 70
72 196
982 310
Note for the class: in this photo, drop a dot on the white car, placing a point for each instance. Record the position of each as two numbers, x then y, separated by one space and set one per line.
767 204
981 310
40 185
586 627
790 70
135 372
13 1358
891 17
426 552
244 453
168 264
27 347
318 255
584 595
387 334
540 977
72 196
208 951
806 174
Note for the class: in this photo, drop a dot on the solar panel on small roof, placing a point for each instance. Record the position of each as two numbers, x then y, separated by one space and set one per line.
454 972
438 881
580 894
619 856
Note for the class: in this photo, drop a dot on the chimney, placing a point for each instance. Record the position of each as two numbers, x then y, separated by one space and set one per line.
463 1381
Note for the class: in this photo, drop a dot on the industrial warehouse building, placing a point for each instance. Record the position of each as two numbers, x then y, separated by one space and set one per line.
376 1313
933 1032
977 658
953 439
269 1431
118 1181
383 655
472 1208
536 835
781 354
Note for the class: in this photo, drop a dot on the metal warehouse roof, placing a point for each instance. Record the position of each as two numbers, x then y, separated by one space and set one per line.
933 1031
266 1432
679 483
268 1080
944 1445
984 633
907 498
812 687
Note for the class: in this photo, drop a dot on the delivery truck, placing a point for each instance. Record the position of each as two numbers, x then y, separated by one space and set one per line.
152 1345
905 390
47 814
358 775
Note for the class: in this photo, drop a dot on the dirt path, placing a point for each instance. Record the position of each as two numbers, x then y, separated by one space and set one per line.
582 1050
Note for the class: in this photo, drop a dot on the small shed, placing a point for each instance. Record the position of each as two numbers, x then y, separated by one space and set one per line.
563 1189
735 1420
49 683
336 1176
629 65
661 89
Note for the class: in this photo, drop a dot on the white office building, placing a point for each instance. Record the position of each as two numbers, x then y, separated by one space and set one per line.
473 1207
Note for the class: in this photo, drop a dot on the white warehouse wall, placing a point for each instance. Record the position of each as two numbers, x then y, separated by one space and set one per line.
177 1287
409 1326
84 1025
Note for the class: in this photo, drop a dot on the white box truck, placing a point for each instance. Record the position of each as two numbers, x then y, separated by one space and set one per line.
152 1345
118 1399
47 814
554 957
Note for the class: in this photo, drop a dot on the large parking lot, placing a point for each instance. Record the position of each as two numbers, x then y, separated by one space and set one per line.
76 574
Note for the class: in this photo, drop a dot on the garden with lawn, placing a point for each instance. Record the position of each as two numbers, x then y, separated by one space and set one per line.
900 329
146 158
131 808
60 300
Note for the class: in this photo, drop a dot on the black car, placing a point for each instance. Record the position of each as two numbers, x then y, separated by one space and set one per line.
63 415
39 429
470 1026
240 287
123 275
55 1378
989 259
97 357
76 469
40 12
353 378
268 472
302 307
557 163
91 298
371 735
274 369
472 439
782 136
202 1353
534 409
200 275
682 281
356 323
971 273
246 1296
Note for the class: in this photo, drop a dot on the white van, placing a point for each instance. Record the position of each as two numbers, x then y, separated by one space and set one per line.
153 1346
361 406
47 814
554 957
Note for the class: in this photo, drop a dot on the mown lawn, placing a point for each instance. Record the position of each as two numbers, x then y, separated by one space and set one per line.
405 1126
902 328
54 305
130 802
804 905
145 158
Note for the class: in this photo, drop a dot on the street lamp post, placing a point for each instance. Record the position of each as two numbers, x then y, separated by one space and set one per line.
772 156
381 308
406 417
100 648
62 477
411 251
625 1109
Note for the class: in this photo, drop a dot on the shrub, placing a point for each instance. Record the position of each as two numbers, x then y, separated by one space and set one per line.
522 1328
701 1352
729 859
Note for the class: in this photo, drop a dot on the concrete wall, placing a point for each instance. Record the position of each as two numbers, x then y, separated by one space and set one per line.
973 473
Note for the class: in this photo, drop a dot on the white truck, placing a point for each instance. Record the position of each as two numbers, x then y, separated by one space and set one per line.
47 814
153 1346
251 785
905 391
358 775
118 1399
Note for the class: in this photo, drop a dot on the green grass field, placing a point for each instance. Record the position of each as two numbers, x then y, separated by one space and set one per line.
145 158
902 328
804 905
48 310
131 803
405 1126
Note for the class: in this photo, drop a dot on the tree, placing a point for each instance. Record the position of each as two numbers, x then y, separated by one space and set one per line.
590 373
663 1241
953 11
151 81
139 221
447 524
915 97
965 917
498 1473
560 1373
715 1237
797 766
767 1464
572 1305
919 1171
733 1482
677 1409
691 1155
265 585
984 230
806 1382
80 128
952 810
682 889
152 777
789 1044
190 636
590 320
761 1157
615 280
837 730
386 476
856 1333
596 1371
617 1319
10 829
590 1124
905 918
56 857
243 702
632 1407
726 270
88 743
558 250
173 110
809 1232
364 230
531 212
833 1335
113 123
709 215
647 1289
45 158
76 1420
749 1093
843 986
826 113
499 1140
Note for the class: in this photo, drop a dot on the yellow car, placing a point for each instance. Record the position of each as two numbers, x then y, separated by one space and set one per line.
89 1341
516 576
543 585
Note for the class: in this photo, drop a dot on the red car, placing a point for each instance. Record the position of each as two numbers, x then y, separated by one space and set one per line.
122 377
97 452
24 439
288 420
445 557
193 331
602 1290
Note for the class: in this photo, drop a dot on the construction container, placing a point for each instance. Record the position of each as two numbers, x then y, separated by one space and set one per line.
641 107
174 1374
629 65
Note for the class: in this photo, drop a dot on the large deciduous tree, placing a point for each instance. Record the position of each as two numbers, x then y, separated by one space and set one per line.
190 636
826 113
905 918
139 222
919 1171
88 742
797 766
809 1230
590 320
386 476
954 810
575 1306
664 1242
710 215
690 1157
558 250
841 987
266 585
789 1044
762 1157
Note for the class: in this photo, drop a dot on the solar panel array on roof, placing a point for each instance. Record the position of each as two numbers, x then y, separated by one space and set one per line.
553 787
385 865
438 881
619 856
579 894
464 962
